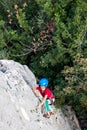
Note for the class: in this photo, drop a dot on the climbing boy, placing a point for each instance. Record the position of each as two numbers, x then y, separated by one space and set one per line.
46 95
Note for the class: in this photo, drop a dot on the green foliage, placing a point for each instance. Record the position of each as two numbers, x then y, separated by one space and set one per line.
75 91
47 7
21 19
77 74
16 31
2 41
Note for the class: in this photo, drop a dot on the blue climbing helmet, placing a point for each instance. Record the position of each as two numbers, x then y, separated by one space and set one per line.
43 82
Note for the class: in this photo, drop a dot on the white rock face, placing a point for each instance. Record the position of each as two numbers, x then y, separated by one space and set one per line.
17 101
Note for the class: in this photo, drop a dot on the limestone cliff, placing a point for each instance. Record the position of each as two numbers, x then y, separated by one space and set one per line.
17 101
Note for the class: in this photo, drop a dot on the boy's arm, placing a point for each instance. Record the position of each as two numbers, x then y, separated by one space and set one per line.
37 93
43 101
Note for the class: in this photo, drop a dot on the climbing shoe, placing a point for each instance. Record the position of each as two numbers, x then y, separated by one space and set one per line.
51 113
47 115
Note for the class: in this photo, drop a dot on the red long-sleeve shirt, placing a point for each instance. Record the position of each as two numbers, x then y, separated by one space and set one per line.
47 92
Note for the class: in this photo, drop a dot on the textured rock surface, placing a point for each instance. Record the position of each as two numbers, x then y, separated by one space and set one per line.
72 119
17 101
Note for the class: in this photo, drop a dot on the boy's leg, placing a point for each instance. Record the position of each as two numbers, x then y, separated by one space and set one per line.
47 106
